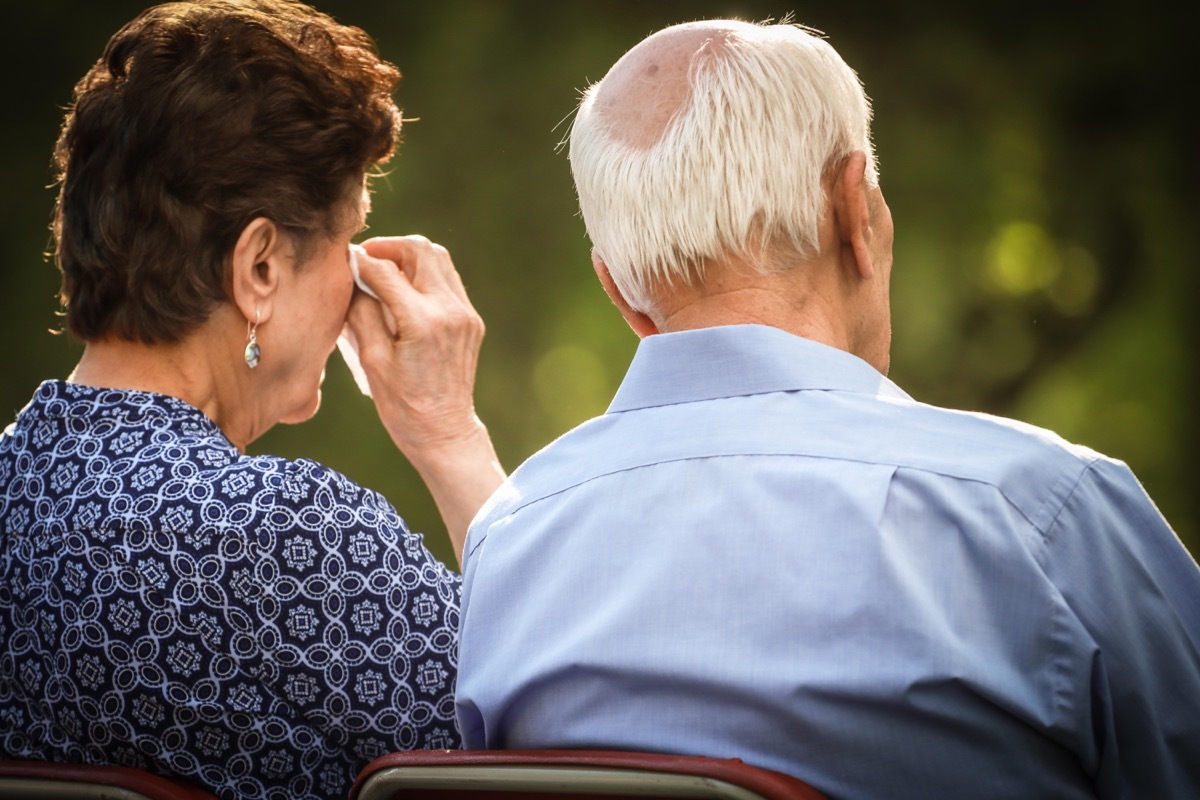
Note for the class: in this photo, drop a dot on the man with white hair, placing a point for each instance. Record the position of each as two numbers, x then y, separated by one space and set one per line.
767 550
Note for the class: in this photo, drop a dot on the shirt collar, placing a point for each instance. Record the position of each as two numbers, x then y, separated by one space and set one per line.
56 399
736 360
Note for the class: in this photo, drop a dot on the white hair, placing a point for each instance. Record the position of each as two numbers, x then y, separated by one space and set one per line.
739 165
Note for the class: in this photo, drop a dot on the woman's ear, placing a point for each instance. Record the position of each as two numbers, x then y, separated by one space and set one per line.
259 256
641 324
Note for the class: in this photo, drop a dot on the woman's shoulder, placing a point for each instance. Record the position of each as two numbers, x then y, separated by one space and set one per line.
157 460
303 483
295 495
314 507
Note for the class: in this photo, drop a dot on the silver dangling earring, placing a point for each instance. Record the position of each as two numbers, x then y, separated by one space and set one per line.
253 352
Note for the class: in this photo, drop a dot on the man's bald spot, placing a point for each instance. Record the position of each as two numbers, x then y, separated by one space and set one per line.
649 85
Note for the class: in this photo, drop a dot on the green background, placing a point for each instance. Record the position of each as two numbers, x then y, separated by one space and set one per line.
1039 159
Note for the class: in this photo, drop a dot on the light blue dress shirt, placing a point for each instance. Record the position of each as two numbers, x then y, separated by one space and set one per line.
767 550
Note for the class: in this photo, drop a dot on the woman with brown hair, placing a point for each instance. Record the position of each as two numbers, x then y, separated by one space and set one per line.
259 626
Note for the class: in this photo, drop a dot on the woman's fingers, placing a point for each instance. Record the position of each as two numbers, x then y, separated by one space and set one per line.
422 375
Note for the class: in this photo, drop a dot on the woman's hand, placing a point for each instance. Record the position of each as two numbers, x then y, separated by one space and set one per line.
421 368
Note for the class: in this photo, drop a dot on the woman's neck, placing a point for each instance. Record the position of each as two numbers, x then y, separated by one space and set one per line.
191 370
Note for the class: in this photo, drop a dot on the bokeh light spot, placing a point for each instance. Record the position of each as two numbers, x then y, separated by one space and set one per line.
1022 259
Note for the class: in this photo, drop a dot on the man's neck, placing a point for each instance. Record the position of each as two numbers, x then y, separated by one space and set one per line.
789 300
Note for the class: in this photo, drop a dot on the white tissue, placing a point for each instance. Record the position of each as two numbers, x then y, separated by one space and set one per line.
355 249
349 351
346 344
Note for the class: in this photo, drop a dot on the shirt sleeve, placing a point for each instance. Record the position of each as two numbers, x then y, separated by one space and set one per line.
1135 588
359 619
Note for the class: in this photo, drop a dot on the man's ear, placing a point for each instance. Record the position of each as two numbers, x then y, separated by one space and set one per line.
852 214
641 324
258 259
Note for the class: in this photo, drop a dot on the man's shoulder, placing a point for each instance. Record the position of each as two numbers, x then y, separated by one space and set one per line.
1020 459
566 461
1033 467
878 429
985 441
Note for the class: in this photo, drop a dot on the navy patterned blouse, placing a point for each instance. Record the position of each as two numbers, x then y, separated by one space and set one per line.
261 627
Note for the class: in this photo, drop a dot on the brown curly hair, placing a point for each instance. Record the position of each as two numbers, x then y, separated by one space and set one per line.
198 118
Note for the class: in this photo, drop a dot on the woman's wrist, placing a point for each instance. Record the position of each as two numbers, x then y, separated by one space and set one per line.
461 471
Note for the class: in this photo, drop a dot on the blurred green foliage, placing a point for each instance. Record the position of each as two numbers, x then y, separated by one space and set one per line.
1039 161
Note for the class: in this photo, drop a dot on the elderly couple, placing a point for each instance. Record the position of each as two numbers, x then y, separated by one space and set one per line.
764 549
